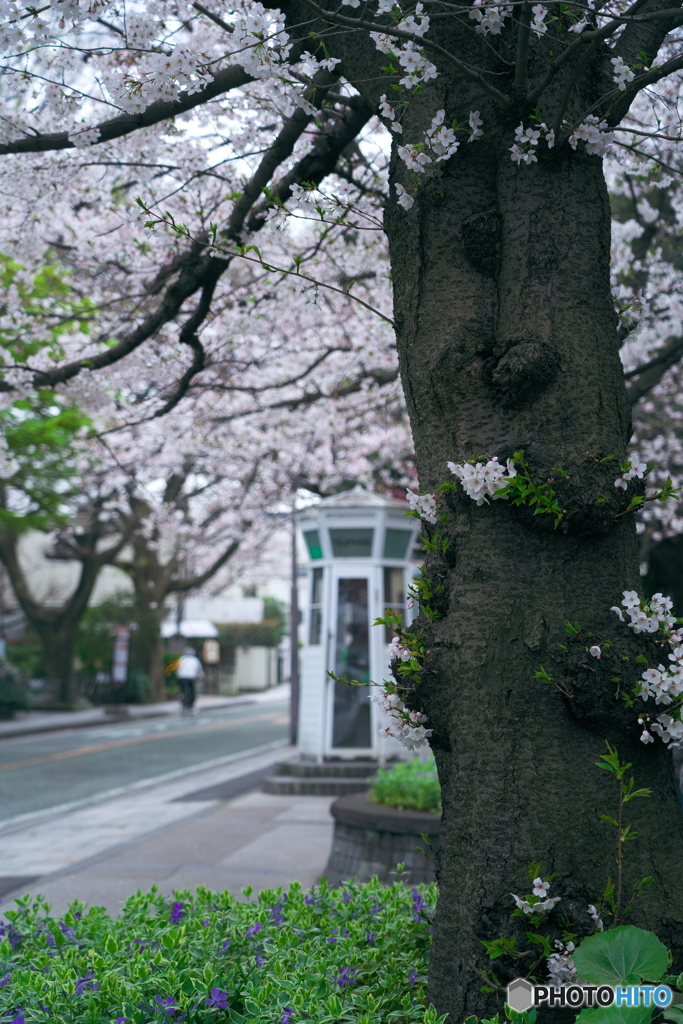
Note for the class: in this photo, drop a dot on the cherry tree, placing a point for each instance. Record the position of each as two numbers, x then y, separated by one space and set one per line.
498 225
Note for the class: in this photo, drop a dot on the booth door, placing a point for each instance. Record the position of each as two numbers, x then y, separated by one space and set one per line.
351 725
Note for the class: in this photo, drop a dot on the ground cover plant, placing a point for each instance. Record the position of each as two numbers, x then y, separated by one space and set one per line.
357 953
409 785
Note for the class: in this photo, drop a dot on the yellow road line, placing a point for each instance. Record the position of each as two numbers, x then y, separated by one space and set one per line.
273 716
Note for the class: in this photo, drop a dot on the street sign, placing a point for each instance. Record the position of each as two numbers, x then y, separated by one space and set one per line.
211 652
121 643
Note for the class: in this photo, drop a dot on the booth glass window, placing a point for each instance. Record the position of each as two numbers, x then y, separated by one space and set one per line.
312 538
351 713
396 543
351 543
394 597
316 609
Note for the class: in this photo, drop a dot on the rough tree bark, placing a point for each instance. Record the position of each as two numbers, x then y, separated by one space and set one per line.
506 336
519 352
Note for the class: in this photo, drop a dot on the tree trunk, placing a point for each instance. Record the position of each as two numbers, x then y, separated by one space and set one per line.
156 670
506 337
58 640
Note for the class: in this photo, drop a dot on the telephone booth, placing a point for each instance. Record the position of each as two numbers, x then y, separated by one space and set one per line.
359 547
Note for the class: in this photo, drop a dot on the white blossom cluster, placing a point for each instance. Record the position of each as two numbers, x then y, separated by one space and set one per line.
595 134
424 505
399 650
490 17
408 727
659 609
483 480
523 150
664 683
538 21
543 904
621 73
561 969
416 66
386 110
438 139
636 469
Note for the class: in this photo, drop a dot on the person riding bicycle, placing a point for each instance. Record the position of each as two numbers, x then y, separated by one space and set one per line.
189 670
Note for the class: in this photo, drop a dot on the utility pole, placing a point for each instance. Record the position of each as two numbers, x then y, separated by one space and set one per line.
294 641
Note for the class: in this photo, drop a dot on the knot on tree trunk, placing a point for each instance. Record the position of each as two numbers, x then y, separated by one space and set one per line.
526 370
599 687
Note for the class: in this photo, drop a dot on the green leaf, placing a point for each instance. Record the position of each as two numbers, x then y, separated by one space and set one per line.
616 1014
621 956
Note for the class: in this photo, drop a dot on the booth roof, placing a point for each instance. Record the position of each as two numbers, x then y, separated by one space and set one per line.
358 497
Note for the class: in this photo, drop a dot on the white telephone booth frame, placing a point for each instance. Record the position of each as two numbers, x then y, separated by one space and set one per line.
334 532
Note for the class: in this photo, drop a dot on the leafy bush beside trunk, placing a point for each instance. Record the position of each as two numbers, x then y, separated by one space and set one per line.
409 785
357 953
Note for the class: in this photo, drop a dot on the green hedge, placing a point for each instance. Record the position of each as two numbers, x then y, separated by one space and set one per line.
410 785
250 634
354 954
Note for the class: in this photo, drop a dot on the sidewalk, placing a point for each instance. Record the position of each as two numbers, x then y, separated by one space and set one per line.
30 722
199 830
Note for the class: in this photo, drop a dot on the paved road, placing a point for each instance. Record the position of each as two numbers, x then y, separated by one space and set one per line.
39 772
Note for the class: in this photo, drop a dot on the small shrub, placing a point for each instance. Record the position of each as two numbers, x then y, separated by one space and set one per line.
354 954
409 785
12 691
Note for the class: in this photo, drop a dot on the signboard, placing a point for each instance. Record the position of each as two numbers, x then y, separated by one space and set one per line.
211 652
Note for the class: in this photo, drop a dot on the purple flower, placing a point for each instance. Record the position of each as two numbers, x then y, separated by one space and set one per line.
286 1017
226 945
68 931
254 930
276 915
46 934
86 983
177 913
19 1018
121 1020
310 900
218 999
419 905
259 961
346 976
3 981
166 1004
346 897
370 938
206 922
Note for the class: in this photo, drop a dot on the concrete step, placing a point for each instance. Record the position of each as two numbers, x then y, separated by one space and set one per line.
289 785
327 769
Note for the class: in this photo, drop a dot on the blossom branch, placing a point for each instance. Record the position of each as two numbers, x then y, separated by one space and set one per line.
648 376
116 128
428 44
194 268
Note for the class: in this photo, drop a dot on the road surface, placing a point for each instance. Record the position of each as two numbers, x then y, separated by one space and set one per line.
47 770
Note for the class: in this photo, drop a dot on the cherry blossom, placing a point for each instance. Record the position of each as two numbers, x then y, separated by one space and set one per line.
483 480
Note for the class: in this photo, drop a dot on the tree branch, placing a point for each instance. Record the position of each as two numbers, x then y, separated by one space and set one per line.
648 376
428 44
196 269
223 81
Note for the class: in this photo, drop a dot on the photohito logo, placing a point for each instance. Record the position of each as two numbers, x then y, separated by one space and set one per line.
523 996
